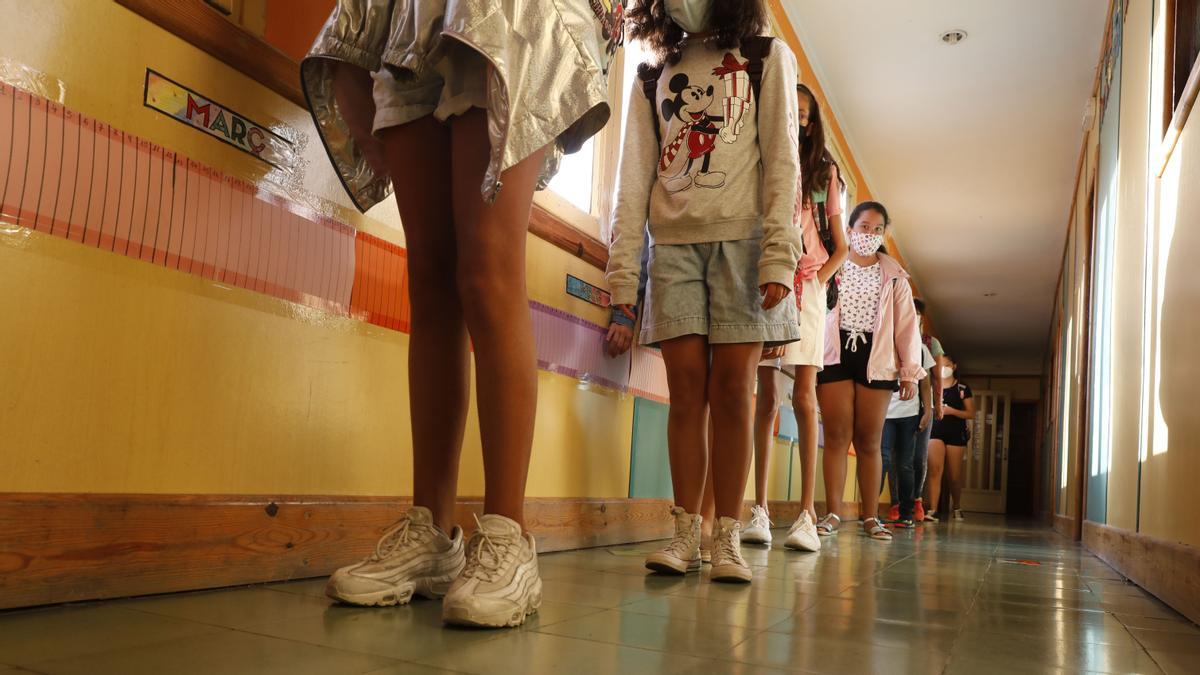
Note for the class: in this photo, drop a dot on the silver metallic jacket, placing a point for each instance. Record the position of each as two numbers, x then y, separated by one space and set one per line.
546 86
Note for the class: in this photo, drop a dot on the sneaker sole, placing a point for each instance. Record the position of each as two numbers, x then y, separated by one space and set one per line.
807 549
731 574
433 588
664 567
464 616
755 538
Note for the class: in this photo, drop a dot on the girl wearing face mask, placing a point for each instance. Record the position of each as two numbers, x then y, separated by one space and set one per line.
872 348
710 166
948 444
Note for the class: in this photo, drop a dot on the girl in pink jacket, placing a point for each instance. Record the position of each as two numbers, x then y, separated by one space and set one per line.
872 348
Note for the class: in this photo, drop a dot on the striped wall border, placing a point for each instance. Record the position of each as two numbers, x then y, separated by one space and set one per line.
68 175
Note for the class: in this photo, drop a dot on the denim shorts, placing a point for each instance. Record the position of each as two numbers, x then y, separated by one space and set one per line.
712 289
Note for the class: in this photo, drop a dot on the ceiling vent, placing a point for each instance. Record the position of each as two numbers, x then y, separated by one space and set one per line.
953 37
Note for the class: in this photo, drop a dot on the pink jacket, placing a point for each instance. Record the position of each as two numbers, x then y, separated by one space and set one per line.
896 340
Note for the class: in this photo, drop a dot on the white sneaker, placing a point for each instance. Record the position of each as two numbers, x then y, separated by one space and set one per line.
682 555
500 585
413 556
958 514
759 529
727 562
803 535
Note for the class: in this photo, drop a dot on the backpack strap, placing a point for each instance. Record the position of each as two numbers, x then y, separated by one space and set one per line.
649 75
755 50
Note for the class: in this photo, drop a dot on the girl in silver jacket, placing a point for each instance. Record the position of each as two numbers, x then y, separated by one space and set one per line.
462 108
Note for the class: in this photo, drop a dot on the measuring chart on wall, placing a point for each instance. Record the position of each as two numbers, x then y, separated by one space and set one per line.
985 469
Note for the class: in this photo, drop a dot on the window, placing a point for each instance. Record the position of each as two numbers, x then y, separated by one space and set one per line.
573 181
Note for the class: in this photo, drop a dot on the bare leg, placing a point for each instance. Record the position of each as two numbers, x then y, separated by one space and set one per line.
491 287
804 403
766 407
936 459
954 462
837 412
438 369
870 409
708 510
686 359
731 400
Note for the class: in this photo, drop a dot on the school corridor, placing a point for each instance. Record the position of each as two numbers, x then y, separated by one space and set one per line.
599 336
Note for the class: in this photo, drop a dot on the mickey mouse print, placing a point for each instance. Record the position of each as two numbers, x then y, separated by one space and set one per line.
698 121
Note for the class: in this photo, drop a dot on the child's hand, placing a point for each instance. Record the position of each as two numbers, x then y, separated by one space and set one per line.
908 390
618 341
773 294
620 335
776 352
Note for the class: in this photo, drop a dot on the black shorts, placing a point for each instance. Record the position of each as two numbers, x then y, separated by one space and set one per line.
950 434
854 366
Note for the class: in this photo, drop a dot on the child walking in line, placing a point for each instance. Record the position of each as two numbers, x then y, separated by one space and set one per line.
948 445
872 348
709 164
824 250
440 102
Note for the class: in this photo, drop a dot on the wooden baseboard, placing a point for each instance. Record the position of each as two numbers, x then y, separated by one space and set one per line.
1064 525
1164 568
71 547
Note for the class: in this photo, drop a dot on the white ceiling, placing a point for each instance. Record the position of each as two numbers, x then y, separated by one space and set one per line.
972 148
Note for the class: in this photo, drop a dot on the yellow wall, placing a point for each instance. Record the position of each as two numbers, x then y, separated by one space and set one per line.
121 376
1169 498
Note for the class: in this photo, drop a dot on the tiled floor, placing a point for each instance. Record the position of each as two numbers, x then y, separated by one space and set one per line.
953 598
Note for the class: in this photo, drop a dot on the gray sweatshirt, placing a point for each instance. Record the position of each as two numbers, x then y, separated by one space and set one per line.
724 172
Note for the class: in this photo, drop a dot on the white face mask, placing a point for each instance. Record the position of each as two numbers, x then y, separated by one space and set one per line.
947 371
690 15
865 244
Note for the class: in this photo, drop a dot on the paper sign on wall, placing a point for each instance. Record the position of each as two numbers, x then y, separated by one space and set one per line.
588 292
177 101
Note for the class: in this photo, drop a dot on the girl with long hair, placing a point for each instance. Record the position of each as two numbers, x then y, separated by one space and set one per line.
710 162
872 348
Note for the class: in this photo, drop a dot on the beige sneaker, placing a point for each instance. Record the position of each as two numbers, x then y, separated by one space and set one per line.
705 548
803 535
500 585
727 562
413 556
682 555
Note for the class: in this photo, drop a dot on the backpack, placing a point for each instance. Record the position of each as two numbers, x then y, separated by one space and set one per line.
754 50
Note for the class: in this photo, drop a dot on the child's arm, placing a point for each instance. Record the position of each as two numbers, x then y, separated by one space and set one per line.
639 159
777 138
841 250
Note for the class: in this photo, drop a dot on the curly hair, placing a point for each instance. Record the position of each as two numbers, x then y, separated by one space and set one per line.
732 22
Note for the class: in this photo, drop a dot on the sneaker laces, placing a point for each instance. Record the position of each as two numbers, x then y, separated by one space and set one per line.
728 548
396 536
759 518
486 554
681 545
